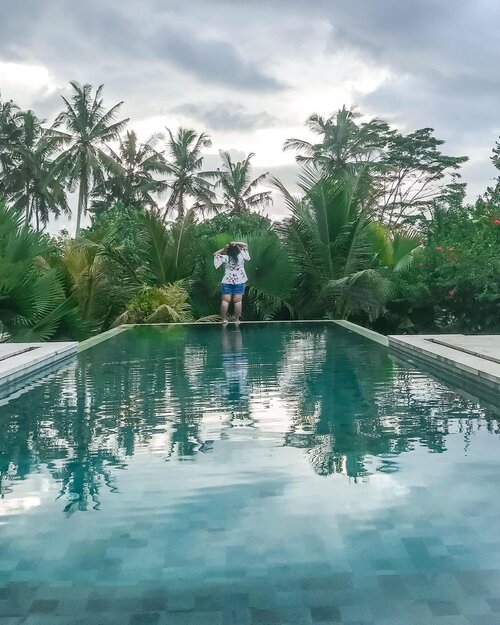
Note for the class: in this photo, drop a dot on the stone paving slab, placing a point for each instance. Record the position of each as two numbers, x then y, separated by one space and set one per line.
22 360
485 346
12 349
472 359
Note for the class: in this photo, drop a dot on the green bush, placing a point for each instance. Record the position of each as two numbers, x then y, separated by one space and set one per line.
122 225
33 303
244 224
167 304
453 284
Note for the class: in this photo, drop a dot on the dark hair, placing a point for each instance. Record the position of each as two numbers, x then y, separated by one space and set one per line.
233 252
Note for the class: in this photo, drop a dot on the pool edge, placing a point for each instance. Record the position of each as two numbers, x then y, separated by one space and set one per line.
100 338
348 325
367 333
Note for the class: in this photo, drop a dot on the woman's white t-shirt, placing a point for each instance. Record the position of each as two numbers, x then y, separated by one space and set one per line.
234 272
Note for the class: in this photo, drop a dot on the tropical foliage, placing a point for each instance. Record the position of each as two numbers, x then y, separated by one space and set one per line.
32 175
88 130
379 231
239 193
453 285
33 302
184 165
167 304
133 182
404 174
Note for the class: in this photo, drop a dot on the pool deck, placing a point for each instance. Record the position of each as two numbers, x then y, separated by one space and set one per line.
20 360
471 359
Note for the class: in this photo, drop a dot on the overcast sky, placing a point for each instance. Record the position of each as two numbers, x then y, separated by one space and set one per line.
251 72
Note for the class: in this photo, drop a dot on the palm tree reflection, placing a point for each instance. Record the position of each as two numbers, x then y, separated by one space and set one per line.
174 391
365 408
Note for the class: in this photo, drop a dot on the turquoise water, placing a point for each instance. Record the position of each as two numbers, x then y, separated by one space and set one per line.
280 473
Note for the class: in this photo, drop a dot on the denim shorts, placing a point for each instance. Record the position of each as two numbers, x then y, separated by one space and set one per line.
232 289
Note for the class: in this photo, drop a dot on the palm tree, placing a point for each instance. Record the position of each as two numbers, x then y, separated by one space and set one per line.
238 188
403 174
9 135
88 129
35 184
344 142
134 184
184 166
33 303
329 238
270 276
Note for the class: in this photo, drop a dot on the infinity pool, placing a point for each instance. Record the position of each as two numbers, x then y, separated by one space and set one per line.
273 474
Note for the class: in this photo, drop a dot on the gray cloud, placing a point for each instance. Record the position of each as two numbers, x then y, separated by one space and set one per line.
75 35
221 62
422 35
442 58
213 61
225 116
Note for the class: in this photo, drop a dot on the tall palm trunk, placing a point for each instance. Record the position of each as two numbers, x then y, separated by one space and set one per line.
180 206
28 207
82 196
81 203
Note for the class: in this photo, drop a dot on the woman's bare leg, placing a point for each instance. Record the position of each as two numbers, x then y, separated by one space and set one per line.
224 305
237 301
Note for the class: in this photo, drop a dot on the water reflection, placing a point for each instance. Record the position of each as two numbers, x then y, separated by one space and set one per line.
235 365
176 392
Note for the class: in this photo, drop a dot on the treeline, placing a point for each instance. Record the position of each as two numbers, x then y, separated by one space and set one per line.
378 233
88 150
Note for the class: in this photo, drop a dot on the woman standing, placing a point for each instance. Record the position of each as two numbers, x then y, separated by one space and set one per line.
232 287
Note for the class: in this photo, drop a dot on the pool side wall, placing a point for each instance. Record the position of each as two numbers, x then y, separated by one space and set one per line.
27 365
473 374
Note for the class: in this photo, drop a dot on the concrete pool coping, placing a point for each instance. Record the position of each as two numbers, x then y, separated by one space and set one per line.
348 325
468 361
20 361
100 338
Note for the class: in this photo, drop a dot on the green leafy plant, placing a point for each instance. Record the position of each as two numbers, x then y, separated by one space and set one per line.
329 238
33 302
453 285
167 304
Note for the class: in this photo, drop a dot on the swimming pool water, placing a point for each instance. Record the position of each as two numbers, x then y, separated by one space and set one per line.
272 474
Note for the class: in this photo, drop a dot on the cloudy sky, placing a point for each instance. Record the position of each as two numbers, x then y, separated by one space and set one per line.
251 72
